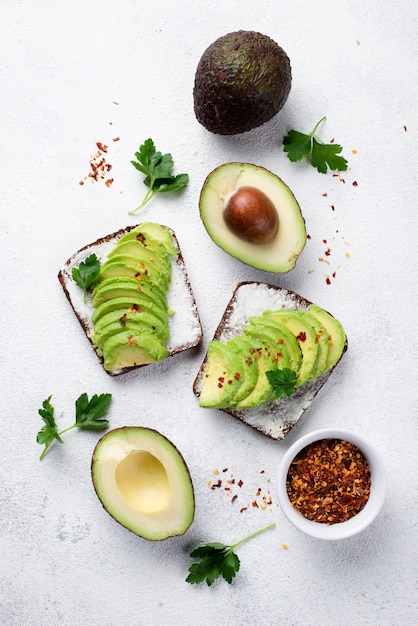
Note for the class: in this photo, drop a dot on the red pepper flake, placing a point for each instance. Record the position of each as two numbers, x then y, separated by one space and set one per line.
234 498
102 147
244 508
405 129
254 504
327 251
109 182
240 483
328 280
324 195
237 375
355 183
301 336
225 469
116 139
132 341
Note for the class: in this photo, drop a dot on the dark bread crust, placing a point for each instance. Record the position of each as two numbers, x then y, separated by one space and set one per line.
274 419
83 313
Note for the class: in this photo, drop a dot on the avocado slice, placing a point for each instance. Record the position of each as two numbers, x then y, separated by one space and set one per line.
242 80
337 340
222 376
283 337
119 320
305 334
117 287
263 391
148 255
129 349
134 305
268 337
143 482
242 347
151 232
131 267
278 255
321 337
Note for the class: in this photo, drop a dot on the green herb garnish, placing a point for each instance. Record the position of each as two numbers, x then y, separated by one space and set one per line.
86 273
298 145
157 168
283 381
217 559
88 416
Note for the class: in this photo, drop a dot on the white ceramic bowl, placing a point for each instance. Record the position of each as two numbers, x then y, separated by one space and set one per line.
359 521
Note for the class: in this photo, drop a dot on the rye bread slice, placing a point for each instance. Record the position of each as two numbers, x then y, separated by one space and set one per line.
185 326
274 419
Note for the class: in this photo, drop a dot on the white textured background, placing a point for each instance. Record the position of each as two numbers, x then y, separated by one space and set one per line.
63 66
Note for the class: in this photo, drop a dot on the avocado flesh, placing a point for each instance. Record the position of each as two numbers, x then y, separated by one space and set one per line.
128 349
130 305
306 336
131 267
143 482
116 321
263 391
283 337
243 349
242 80
337 339
278 256
131 317
154 233
222 377
155 256
321 337
126 287
278 353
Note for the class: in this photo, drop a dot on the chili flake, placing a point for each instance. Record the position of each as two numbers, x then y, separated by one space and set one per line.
329 481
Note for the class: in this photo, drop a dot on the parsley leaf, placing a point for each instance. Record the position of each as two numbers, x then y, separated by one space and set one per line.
157 169
86 273
48 432
88 413
283 381
88 417
217 559
298 145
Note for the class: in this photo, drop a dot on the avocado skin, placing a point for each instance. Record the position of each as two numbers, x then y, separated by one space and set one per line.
242 80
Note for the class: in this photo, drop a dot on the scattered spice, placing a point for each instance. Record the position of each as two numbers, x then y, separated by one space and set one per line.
99 166
329 481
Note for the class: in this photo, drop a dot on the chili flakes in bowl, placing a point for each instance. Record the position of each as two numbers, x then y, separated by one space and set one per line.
331 483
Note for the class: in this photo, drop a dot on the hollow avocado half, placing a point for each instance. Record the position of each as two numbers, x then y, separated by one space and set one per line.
143 482
281 253
242 80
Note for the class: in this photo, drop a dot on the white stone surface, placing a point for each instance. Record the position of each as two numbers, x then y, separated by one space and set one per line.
79 72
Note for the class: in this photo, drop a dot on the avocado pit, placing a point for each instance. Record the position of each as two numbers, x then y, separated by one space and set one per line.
251 215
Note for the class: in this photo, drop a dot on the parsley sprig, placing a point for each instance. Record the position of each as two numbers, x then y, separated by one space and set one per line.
157 168
86 273
299 145
283 381
88 416
217 559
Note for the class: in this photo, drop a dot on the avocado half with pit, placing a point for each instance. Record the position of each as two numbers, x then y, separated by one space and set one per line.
252 215
143 482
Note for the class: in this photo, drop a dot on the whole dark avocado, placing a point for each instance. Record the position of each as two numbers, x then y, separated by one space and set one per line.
242 80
